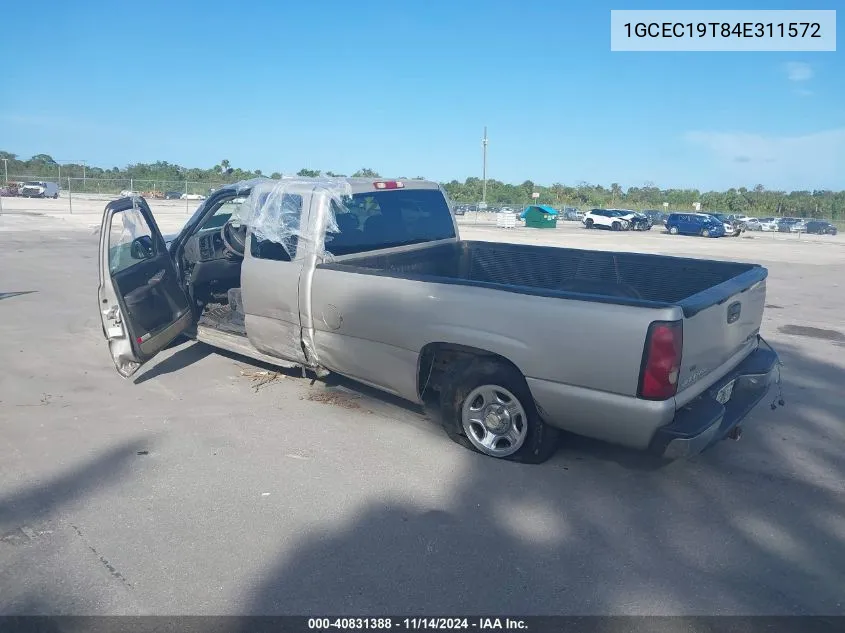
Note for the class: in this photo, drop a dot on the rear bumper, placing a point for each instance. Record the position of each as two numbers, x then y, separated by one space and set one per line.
705 421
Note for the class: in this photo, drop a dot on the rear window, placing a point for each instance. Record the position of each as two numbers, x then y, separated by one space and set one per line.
386 219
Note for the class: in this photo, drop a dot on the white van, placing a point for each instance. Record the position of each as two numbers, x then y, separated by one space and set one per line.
40 189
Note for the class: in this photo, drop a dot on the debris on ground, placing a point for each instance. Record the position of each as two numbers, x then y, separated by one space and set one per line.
260 377
337 398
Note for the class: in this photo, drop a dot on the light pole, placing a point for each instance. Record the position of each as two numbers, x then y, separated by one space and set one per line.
6 169
484 167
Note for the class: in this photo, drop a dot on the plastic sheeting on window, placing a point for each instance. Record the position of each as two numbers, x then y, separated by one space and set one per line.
132 226
273 211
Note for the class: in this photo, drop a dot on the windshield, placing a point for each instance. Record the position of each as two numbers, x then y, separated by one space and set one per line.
385 219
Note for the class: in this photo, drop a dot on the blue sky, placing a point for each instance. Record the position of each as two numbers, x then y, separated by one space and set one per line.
406 88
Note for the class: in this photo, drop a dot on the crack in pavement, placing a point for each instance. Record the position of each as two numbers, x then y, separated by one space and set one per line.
111 569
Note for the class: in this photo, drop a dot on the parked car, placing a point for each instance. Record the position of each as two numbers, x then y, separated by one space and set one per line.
762 224
173 195
10 190
687 368
460 209
820 227
39 189
701 224
784 225
742 219
798 227
640 222
614 219
657 217
128 193
192 196
572 214
732 227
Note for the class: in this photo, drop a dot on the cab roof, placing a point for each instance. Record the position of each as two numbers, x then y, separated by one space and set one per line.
344 185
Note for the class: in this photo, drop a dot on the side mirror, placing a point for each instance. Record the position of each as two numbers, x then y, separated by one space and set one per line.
143 248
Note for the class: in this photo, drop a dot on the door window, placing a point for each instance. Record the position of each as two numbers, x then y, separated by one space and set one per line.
275 228
127 243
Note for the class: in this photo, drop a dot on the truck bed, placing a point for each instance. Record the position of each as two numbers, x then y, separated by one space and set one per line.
627 278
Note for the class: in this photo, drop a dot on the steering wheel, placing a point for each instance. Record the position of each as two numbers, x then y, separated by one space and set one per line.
234 238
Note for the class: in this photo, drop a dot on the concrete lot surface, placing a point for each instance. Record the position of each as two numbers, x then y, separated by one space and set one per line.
189 489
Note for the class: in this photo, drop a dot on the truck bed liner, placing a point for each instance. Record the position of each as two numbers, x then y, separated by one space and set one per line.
629 278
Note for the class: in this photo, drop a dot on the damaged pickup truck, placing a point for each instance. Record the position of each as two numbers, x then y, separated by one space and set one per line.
370 279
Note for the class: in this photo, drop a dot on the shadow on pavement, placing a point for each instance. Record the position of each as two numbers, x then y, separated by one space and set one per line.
9 295
755 527
33 535
189 354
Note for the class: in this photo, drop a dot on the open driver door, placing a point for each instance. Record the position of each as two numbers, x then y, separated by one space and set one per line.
142 305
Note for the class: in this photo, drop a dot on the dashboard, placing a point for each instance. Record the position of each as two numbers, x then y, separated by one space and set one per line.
205 246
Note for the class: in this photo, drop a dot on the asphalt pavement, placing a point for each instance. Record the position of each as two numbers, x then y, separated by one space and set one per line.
192 488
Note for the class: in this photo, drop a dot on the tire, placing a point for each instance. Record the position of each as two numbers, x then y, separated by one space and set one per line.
705 233
479 378
55 196
673 230
589 223
616 226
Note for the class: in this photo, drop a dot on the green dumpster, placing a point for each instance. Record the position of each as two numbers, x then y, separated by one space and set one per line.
540 217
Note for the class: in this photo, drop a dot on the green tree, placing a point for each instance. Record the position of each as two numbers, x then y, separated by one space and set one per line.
615 192
366 173
309 173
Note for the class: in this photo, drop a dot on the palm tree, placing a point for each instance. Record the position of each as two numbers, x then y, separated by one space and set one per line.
615 192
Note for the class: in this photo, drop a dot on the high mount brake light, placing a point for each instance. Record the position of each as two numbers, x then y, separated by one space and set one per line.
388 184
661 360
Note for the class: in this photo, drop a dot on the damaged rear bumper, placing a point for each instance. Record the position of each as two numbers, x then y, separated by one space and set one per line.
705 420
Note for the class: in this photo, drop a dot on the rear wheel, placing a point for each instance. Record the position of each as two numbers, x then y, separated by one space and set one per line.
589 223
673 230
705 233
487 407
616 226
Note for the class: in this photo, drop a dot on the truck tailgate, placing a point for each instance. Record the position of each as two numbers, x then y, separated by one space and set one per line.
720 329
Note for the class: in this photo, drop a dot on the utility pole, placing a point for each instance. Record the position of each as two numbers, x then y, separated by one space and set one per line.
6 169
484 167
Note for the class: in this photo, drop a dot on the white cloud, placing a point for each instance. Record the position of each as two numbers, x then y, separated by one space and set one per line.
811 161
798 71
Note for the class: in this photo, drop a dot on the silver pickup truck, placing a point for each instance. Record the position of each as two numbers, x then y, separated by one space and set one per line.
370 279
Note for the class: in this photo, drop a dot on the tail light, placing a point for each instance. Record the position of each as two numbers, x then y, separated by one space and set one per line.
661 360
389 184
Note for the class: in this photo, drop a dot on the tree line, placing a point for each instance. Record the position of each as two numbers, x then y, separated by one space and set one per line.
757 201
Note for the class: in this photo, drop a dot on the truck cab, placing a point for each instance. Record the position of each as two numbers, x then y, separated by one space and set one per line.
239 275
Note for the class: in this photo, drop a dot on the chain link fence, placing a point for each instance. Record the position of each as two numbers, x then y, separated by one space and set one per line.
151 189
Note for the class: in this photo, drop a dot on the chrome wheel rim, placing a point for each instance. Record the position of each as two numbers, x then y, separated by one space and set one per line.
494 420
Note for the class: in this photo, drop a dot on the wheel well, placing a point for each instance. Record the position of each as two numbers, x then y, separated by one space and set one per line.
435 359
